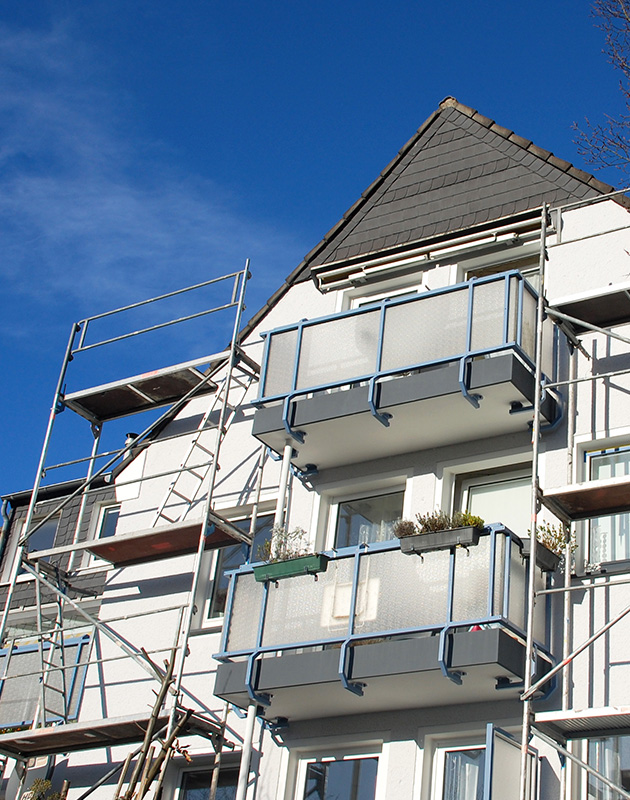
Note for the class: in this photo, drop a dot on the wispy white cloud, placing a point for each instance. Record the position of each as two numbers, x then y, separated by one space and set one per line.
86 207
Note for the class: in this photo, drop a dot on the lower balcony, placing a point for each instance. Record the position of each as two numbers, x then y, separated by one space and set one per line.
379 629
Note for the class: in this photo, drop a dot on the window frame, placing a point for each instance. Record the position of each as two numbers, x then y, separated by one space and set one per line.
328 756
210 565
590 454
439 764
361 490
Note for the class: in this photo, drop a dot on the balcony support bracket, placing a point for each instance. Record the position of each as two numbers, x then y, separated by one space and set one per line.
287 419
251 678
381 416
445 644
464 379
355 688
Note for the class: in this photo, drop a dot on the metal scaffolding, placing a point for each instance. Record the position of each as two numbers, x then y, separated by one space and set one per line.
571 503
225 379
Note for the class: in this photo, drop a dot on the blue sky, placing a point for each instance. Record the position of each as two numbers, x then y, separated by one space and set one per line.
149 145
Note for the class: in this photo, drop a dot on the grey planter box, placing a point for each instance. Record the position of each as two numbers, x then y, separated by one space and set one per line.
441 540
545 559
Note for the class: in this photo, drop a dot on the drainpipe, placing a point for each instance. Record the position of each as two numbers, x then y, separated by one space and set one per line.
282 487
6 524
246 754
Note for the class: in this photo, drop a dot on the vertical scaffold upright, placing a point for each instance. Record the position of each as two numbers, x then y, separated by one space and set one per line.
225 378
571 503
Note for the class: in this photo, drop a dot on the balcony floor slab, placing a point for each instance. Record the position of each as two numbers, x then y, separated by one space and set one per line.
398 673
428 410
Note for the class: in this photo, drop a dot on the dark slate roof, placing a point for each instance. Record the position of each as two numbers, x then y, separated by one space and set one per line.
458 171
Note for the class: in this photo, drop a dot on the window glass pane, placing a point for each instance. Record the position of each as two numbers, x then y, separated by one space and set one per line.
369 519
610 539
611 757
196 785
232 557
463 774
353 779
507 501
109 520
44 538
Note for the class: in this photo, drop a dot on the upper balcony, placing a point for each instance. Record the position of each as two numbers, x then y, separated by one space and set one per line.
409 373
379 629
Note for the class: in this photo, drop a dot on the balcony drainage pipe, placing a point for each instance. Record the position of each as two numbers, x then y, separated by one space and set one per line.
287 453
246 753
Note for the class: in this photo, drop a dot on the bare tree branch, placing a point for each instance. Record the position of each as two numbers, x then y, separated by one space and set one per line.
607 144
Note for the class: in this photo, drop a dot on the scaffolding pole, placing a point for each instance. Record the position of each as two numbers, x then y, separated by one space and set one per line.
531 585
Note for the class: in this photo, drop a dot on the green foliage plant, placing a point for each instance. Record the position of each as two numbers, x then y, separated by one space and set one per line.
435 521
284 545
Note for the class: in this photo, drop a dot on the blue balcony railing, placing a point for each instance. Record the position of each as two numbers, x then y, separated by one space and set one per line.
483 316
375 591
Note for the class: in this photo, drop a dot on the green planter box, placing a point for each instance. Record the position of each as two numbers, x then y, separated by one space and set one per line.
305 565
440 540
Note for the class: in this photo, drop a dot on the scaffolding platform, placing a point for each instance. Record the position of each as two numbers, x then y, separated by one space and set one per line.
73 736
603 309
584 724
591 499
153 544
142 392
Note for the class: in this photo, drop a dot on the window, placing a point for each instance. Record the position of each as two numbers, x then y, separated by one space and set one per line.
609 539
196 785
527 266
366 519
216 563
108 521
502 496
350 778
44 537
459 773
611 757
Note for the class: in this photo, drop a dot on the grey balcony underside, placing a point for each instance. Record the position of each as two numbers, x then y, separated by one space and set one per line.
399 674
428 410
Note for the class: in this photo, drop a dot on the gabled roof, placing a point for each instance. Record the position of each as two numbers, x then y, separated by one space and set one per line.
459 170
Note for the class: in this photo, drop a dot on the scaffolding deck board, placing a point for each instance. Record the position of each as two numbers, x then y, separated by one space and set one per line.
604 309
592 499
153 544
584 724
74 736
141 392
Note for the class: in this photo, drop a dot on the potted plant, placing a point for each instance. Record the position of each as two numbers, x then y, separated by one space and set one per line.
287 554
550 546
438 530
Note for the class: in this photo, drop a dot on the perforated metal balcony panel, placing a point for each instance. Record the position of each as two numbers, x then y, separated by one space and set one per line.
142 392
593 499
166 541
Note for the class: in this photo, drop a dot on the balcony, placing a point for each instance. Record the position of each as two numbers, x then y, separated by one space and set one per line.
379 629
411 373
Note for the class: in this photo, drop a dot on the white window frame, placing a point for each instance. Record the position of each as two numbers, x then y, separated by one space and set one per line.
589 454
204 594
331 498
359 296
439 761
339 755
98 517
